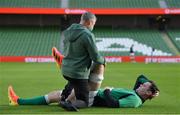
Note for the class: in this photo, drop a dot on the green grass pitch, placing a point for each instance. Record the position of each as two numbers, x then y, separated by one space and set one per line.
34 79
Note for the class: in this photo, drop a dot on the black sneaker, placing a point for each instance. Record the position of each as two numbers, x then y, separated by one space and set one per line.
68 106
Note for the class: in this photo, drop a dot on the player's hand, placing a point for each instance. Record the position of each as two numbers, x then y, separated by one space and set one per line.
110 88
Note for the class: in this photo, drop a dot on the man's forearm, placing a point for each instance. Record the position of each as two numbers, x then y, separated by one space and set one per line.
109 99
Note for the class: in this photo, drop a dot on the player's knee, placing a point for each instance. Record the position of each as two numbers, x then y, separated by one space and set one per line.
96 78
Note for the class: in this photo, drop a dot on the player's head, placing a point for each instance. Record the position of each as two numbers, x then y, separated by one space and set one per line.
148 90
88 19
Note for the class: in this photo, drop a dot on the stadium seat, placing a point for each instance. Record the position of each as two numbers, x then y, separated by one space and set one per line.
174 34
173 3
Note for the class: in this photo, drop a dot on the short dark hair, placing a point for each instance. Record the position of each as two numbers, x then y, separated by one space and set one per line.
88 16
154 89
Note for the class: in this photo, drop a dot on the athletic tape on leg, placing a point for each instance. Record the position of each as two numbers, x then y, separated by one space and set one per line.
92 94
96 78
47 99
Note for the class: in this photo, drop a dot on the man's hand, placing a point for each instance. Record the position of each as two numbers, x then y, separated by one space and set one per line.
110 88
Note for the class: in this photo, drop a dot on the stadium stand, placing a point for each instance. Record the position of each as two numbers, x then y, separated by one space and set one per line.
31 3
37 41
118 42
175 37
113 4
173 3
28 41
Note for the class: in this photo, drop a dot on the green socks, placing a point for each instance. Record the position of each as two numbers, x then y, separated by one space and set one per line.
33 101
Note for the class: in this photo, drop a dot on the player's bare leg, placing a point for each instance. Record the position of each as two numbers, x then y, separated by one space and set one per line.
53 97
95 79
96 76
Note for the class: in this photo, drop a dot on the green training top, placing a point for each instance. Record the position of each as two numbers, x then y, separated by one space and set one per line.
127 98
133 100
79 51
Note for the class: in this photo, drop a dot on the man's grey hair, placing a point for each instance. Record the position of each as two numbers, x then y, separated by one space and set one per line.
88 16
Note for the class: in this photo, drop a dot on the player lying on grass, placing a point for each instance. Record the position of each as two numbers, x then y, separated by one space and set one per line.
143 90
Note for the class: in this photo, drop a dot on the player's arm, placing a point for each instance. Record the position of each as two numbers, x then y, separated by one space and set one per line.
140 80
92 50
110 101
126 101
129 102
